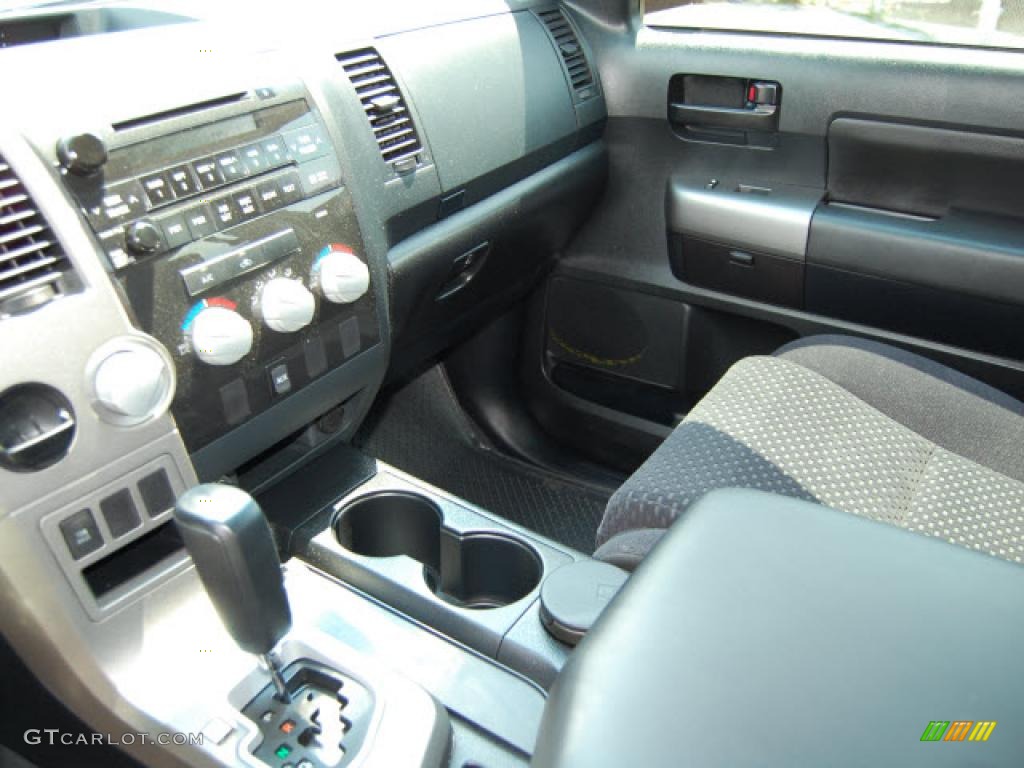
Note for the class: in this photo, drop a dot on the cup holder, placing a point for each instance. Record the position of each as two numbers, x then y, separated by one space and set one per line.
389 524
478 570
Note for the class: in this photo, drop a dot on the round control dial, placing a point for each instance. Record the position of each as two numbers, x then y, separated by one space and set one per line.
143 237
286 305
131 382
343 278
82 154
220 336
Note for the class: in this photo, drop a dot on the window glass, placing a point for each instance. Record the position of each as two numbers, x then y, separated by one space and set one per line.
990 23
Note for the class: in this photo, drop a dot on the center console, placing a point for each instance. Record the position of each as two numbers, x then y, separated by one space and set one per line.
228 228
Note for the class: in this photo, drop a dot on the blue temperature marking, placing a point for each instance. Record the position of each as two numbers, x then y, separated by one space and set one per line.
196 309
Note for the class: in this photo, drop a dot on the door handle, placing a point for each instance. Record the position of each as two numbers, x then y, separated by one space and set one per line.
759 117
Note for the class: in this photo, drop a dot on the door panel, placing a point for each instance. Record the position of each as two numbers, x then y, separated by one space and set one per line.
910 156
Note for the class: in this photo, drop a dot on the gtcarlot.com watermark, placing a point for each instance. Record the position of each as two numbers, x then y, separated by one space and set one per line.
53 736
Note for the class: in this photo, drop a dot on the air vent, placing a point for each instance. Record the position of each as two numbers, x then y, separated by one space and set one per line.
569 46
32 264
385 108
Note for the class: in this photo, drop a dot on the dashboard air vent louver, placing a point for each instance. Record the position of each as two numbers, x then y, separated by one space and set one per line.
569 47
32 264
385 108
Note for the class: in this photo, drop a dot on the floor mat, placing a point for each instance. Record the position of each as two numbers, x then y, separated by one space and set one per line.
421 430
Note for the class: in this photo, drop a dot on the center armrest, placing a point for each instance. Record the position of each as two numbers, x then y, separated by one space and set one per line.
765 630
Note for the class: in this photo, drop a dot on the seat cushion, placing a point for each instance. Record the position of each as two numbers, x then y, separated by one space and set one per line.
880 451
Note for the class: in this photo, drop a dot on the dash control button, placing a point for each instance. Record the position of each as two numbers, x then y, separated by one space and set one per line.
226 212
208 172
280 381
175 230
291 189
81 534
120 513
157 494
318 175
246 202
158 189
307 143
275 151
254 159
182 181
231 165
199 221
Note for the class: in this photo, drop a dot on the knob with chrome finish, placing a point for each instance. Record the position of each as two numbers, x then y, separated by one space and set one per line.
143 237
82 154
220 336
341 275
130 381
286 305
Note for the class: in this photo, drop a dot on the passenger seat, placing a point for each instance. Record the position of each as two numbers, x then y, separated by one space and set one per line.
853 424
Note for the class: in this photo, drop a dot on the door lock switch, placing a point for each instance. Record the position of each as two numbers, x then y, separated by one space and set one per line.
762 93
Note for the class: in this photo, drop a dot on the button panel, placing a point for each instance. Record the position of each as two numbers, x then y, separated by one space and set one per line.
218 268
255 164
105 519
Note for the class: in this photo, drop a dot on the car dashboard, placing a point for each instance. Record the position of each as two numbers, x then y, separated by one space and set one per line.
217 236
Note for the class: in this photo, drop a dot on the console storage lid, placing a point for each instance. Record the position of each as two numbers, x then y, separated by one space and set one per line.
765 630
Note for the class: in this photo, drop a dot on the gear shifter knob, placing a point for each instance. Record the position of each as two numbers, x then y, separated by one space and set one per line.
231 544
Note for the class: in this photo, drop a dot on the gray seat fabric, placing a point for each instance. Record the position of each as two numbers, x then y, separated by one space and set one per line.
851 424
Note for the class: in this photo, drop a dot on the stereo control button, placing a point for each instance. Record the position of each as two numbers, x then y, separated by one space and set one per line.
208 173
291 189
286 305
226 212
220 336
158 189
307 143
269 195
254 158
200 222
120 203
231 166
247 204
182 181
320 174
275 151
175 230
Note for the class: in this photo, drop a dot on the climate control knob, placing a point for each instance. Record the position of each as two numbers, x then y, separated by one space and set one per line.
220 336
342 277
286 305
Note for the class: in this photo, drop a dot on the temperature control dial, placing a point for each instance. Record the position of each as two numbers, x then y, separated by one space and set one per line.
286 305
341 275
220 336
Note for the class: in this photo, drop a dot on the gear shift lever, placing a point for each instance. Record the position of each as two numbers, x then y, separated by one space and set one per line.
231 544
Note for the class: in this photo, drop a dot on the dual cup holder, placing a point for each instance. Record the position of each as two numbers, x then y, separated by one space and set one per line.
477 570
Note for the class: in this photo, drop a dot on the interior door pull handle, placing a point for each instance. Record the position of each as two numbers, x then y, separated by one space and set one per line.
761 117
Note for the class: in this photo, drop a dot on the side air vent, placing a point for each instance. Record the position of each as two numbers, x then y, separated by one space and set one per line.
33 268
568 44
385 108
